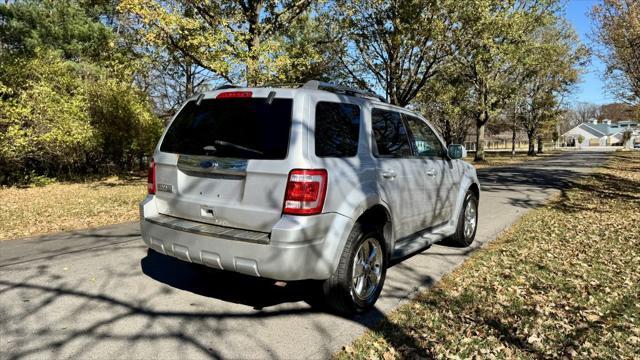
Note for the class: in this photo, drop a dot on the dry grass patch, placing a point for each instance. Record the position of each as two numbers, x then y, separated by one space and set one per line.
68 206
562 283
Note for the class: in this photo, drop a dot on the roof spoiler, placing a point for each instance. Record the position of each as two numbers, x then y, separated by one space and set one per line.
320 85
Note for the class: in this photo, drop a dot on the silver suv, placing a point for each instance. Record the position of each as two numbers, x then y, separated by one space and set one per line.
317 182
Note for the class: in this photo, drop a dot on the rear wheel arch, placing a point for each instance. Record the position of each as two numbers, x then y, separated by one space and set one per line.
340 288
379 216
475 189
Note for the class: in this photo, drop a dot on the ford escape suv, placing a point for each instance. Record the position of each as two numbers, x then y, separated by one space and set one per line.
317 182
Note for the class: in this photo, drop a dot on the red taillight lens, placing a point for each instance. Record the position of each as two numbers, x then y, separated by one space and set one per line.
306 190
234 94
151 178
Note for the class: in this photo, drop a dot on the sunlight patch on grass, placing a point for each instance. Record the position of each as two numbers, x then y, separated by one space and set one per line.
68 206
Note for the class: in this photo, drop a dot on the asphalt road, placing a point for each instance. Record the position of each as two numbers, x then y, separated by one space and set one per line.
100 294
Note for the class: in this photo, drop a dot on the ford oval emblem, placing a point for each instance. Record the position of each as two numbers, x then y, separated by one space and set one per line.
208 163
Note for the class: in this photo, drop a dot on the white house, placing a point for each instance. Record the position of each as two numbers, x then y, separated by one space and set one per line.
599 134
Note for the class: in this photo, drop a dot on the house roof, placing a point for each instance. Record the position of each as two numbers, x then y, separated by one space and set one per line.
600 130
591 129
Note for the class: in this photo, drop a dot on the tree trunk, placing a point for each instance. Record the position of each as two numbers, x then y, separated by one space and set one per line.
539 144
532 144
188 80
479 141
448 135
253 42
513 138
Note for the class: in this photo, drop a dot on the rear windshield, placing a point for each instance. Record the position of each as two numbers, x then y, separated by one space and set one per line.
244 128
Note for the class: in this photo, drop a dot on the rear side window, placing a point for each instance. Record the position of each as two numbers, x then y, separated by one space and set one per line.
390 134
243 128
337 129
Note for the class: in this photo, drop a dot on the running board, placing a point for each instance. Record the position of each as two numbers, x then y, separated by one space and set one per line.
421 240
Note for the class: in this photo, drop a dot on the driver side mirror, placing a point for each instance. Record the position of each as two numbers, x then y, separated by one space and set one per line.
457 151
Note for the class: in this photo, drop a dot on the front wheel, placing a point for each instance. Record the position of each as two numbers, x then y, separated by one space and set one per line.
357 282
467 221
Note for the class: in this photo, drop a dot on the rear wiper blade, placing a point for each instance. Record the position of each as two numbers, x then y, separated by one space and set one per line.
226 143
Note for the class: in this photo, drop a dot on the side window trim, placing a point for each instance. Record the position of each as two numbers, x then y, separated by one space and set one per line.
407 129
412 139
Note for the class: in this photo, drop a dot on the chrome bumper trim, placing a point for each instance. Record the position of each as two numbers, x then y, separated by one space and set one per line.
217 231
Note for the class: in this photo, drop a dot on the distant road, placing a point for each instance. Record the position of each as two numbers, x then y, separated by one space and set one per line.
100 294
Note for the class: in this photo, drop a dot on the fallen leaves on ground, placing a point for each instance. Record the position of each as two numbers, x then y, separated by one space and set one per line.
564 282
68 206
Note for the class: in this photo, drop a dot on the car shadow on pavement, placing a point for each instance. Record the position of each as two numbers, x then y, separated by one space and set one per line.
225 285
260 293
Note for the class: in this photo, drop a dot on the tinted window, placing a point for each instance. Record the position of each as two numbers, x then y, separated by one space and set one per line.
245 128
337 129
425 140
390 134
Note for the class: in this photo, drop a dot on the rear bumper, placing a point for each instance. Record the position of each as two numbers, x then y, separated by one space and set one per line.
298 247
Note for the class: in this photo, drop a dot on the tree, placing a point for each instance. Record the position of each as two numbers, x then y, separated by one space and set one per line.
241 41
394 46
29 25
626 138
492 44
68 100
617 112
445 102
587 111
554 67
618 32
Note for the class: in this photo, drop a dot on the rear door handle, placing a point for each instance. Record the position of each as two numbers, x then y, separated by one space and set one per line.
388 174
431 172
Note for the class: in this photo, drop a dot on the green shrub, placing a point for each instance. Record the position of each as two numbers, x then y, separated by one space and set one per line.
126 127
63 118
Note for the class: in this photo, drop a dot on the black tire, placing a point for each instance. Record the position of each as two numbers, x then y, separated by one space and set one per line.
338 289
459 238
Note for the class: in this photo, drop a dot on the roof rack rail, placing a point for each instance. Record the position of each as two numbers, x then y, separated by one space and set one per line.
226 86
320 85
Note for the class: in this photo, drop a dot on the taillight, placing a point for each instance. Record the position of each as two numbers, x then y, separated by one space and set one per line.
151 178
306 190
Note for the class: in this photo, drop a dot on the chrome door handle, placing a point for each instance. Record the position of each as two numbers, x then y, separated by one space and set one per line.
431 172
388 174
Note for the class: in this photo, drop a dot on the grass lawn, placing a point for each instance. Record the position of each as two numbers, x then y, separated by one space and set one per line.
505 159
564 282
68 206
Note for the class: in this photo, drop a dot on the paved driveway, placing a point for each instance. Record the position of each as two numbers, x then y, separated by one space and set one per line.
100 294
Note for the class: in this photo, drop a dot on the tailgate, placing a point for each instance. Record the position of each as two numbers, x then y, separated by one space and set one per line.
222 162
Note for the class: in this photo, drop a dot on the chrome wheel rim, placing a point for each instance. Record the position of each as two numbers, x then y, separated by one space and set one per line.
470 218
366 269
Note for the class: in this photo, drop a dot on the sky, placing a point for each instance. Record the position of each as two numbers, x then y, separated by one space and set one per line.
591 89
